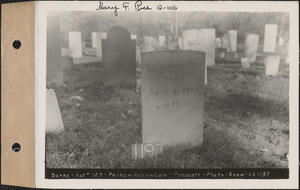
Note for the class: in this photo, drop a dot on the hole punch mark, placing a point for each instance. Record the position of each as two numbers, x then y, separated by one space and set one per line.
16 147
16 44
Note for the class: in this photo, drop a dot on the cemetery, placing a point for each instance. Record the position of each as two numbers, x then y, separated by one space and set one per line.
191 90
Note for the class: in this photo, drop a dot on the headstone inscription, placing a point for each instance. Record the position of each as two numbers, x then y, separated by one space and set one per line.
251 44
232 36
192 41
119 59
173 97
75 45
54 66
272 65
270 37
54 121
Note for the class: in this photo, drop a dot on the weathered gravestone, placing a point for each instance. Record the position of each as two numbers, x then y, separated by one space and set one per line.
251 44
161 40
272 65
54 121
119 59
147 45
270 37
225 42
54 66
173 97
192 41
100 36
75 45
232 36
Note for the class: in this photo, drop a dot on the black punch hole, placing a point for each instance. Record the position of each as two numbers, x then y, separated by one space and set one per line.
16 44
16 147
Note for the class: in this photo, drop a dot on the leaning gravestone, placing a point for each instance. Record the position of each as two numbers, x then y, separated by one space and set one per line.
272 65
232 36
54 121
119 59
75 44
192 41
54 66
173 97
251 44
270 37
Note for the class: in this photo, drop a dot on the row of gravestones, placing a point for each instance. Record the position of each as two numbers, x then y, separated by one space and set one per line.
172 81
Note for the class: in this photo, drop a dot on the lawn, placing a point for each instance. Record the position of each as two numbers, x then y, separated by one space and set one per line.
246 122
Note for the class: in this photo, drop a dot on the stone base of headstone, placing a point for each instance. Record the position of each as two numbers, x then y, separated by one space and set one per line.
272 65
54 121
245 62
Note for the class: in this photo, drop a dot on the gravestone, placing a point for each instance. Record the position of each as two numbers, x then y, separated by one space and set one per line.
225 42
245 62
147 45
161 41
251 44
75 44
54 121
272 65
94 39
100 37
54 66
207 45
66 60
280 41
192 40
232 36
270 37
119 59
133 36
173 97
218 42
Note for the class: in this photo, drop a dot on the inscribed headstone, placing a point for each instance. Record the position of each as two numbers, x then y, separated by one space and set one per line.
232 36
75 45
173 97
272 65
54 121
192 41
54 66
270 37
251 43
119 58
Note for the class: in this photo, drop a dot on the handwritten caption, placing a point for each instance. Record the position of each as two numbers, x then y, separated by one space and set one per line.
136 6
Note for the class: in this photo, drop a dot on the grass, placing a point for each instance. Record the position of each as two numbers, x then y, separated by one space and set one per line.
246 122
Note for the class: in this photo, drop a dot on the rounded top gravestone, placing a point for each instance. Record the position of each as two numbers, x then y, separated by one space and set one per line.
118 35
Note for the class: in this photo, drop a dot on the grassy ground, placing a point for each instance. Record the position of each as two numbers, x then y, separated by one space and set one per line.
246 122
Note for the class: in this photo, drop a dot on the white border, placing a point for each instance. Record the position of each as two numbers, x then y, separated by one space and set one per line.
212 6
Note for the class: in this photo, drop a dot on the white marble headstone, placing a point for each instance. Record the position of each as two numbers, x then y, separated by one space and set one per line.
161 40
218 42
133 36
225 42
54 121
75 45
180 42
232 36
100 36
245 62
147 45
94 39
272 65
270 37
251 44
